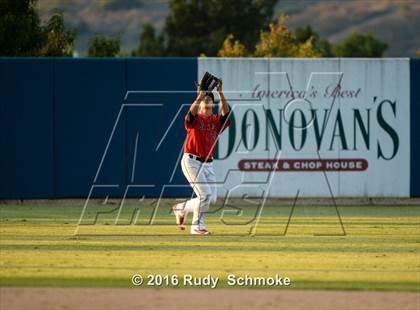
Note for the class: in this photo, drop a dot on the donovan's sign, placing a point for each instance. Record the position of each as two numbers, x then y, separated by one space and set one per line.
345 121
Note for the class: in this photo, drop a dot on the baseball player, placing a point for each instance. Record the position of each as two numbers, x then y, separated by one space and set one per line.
203 128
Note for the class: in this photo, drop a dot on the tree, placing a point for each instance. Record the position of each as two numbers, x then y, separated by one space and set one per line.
321 45
306 50
101 46
232 48
360 45
194 27
20 30
150 44
58 40
21 33
279 41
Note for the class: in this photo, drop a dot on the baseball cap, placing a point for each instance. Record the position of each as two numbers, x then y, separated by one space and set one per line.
210 94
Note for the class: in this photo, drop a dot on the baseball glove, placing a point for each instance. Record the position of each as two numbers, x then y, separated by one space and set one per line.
208 82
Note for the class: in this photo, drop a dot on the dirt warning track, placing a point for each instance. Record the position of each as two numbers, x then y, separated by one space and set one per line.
132 298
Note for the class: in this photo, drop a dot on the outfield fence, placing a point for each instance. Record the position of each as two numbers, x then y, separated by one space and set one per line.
73 128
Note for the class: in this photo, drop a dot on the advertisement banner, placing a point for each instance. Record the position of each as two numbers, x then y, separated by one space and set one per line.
316 127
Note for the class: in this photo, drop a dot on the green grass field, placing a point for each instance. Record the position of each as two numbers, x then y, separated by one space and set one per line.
380 249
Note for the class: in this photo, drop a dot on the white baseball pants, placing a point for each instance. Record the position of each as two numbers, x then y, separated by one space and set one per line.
203 181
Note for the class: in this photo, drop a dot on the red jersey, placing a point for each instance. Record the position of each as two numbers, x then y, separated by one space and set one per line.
202 133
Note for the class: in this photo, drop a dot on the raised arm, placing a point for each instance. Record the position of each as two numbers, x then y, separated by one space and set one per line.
192 112
224 107
196 104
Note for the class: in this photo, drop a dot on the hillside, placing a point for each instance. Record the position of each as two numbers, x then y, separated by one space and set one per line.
91 17
396 22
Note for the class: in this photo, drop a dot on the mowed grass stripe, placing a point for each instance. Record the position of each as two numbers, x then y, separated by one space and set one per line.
380 250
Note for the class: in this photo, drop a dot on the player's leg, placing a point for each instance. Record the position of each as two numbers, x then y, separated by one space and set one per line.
195 174
191 169
211 181
200 204
181 210
188 205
